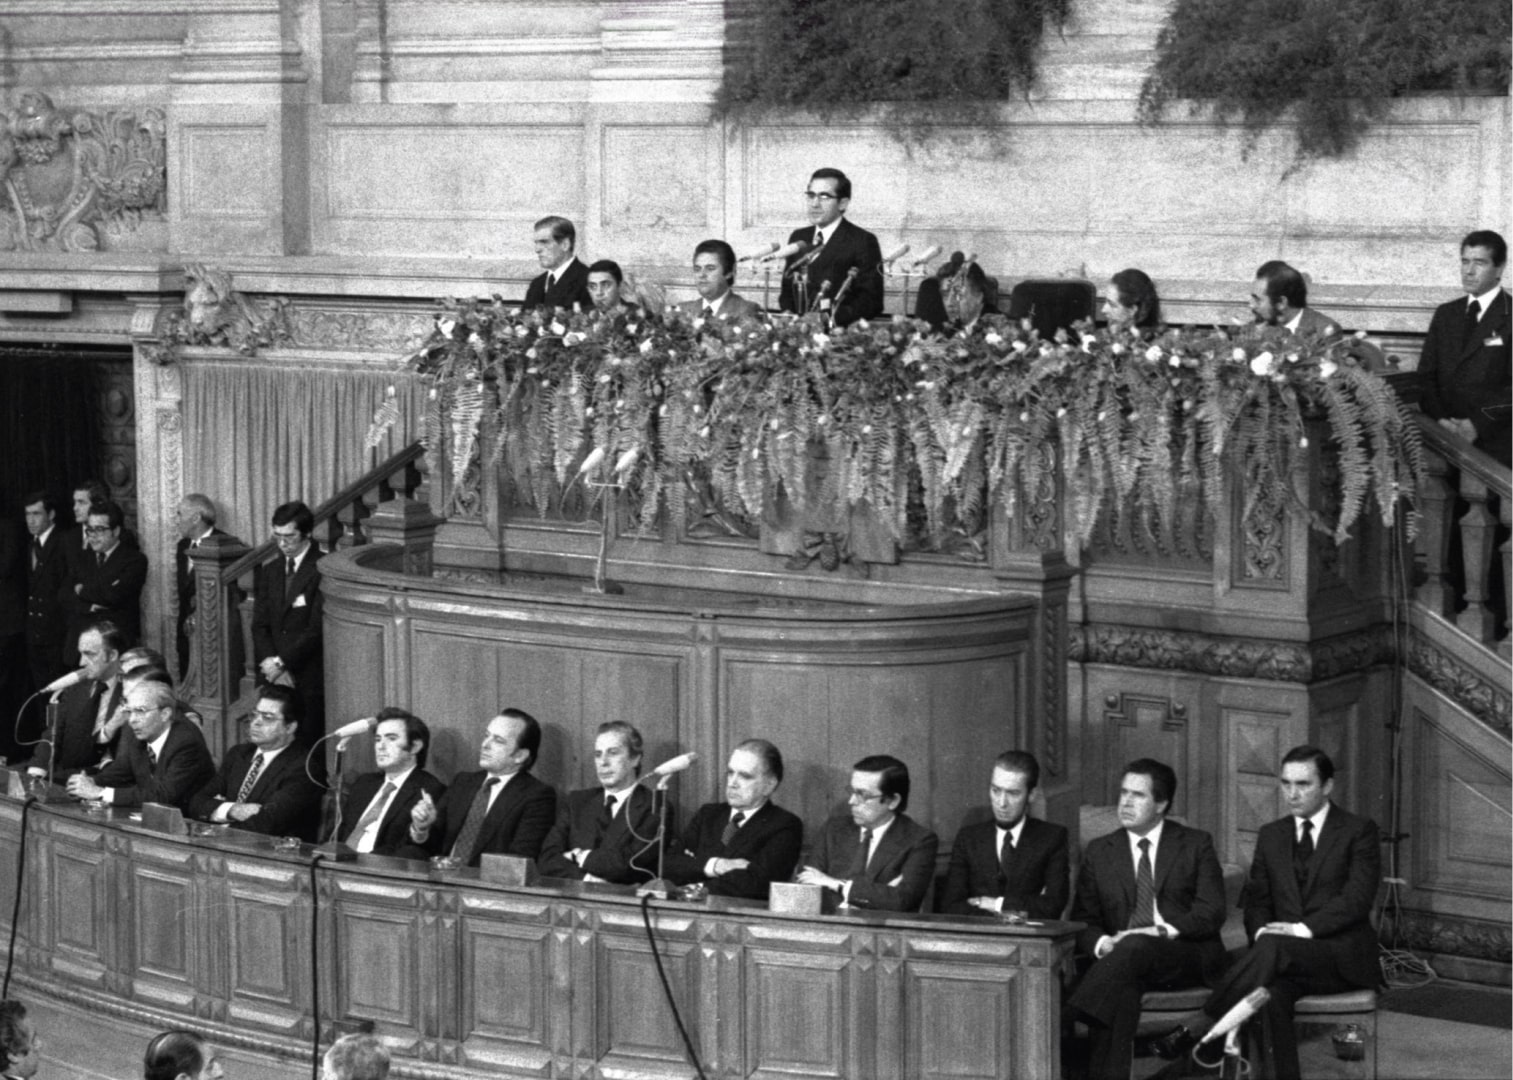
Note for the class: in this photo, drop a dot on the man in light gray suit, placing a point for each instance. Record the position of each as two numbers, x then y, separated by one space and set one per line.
714 274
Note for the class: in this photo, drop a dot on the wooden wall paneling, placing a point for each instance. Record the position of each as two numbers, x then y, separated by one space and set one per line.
1254 743
377 935
1146 716
633 1026
456 689
787 703
169 918
266 944
646 688
27 932
363 681
962 1016
440 979
801 993
981 710
508 1010
79 930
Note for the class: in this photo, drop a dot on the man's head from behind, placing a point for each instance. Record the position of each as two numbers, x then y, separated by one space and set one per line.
19 1044
181 1055
356 1057
1483 254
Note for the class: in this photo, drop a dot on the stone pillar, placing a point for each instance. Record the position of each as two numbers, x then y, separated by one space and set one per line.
410 524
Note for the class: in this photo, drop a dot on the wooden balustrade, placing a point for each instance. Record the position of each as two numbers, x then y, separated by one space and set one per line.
1460 575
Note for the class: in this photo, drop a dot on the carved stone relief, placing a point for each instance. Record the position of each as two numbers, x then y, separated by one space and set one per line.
80 180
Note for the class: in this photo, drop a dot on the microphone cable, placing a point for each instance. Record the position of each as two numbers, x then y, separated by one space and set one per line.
10 949
677 1016
315 1055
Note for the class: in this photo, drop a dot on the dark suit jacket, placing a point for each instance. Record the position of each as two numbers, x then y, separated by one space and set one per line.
1189 890
516 824
14 560
734 308
608 856
110 591
850 246
394 827
1316 324
1334 901
290 800
75 750
285 627
184 579
571 288
1460 381
905 854
771 839
46 620
182 769
1039 878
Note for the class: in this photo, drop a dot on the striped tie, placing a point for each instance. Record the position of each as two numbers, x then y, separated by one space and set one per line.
1145 890
251 780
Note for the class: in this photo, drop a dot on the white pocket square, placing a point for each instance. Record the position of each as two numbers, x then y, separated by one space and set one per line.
1493 341
299 601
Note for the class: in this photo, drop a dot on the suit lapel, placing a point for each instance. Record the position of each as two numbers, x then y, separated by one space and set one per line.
887 849
1330 837
1124 871
1493 321
1166 855
295 586
507 799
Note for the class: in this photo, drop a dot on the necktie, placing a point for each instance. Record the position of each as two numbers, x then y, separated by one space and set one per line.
467 839
288 568
1473 316
1145 890
152 757
819 237
99 559
1303 852
105 705
374 811
36 552
605 819
1006 856
251 779
288 579
731 826
859 857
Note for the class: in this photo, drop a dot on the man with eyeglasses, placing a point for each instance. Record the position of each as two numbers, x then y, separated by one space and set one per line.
813 281
19 1042
166 762
286 615
878 856
263 785
110 578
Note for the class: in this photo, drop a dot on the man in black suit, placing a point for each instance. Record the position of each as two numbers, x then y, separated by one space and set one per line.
813 280
740 846
286 615
1014 862
375 817
501 810
878 856
563 282
47 568
196 523
89 711
166 762
1151 894
20 1045
1279 297
608 832
1466 367
1307 907
263 785
110 579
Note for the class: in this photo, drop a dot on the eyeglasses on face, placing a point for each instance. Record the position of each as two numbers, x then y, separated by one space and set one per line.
266 718
863 796
130 711
819 196
96 530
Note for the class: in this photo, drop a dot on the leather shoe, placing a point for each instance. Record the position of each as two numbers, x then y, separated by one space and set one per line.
1175 1044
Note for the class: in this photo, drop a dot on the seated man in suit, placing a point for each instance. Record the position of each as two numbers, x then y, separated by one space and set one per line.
500 810
740 846
110 577
166 761
816 279
89 712
878 857
263 785
1151 894
714 278
375 816
1279 297
563 282
609 832
287 632
1465 371
1014 862
1307 909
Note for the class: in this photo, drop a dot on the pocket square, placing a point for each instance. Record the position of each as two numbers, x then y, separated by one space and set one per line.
299 601
1493 341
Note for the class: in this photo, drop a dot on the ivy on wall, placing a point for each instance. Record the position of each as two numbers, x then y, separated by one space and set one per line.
830 55
1330 66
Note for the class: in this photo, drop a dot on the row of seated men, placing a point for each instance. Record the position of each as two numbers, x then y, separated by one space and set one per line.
1151 893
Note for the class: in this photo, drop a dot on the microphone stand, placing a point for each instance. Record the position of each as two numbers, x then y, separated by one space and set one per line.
659 887
333 849
835 305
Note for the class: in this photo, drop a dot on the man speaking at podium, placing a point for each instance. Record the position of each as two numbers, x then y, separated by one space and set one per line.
815 275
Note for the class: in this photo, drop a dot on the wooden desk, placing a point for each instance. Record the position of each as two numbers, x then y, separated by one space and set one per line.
464 977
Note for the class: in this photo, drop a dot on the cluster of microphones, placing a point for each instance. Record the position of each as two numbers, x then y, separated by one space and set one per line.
803 253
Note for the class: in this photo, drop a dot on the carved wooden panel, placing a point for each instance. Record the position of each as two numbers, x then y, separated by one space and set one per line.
1148 725
378 941
797 1014
961 1020
1459 791
507 1015
268 926
1255 749
168 922
116 416
80 880
633 1023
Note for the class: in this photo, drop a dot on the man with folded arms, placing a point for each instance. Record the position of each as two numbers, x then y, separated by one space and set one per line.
1151 894
377 807
262 785
1307 909
165 762
500 810
607 833
110 575
740 846
1014 862
714 278
878 857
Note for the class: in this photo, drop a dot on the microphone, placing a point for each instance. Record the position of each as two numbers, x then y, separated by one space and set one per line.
356 727
1251 1004
63 682
805 259
798 247
928 254
752 256
894 255
675 765
951 266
